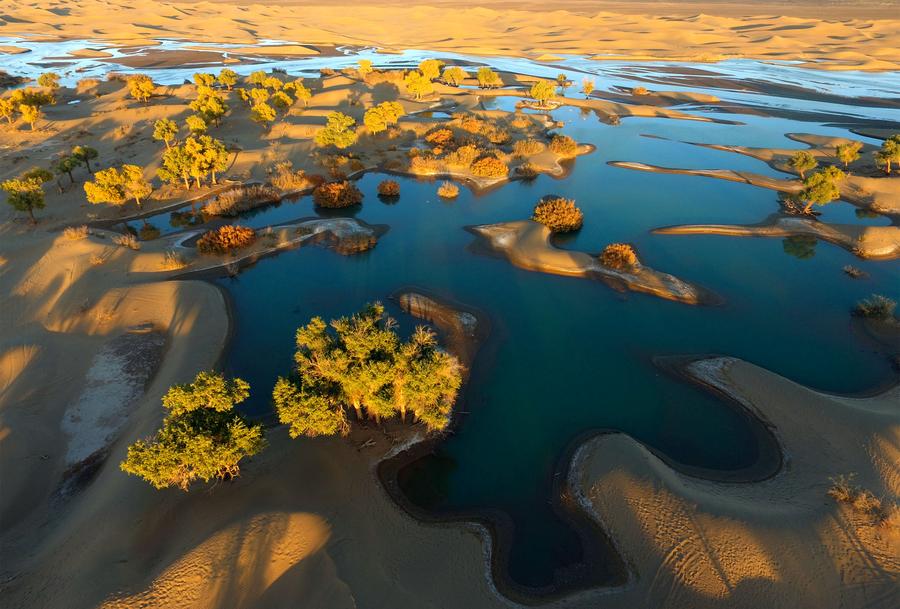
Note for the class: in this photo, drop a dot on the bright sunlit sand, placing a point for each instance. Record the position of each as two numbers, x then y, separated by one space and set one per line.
576 304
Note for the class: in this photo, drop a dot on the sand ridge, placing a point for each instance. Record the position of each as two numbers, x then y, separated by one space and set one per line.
523 28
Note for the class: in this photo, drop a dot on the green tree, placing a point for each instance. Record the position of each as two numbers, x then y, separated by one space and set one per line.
165 130
118 185
300 91
430 68
227 78
889 153
196 124
65 165
339 131
454 75
141 87
208 157
543 91
7 109
487 78
26 193
308 411
31 114
378 118
257 78
803 161
426 380
847 153
49 80
203 79
209 104
359 362
202 437
176 166
821 188
418 84
263 113
85 154
282 100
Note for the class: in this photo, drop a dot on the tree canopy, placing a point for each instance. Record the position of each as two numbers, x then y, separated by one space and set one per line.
165 130
454 75
543 91
227 78
118 185
379 118
847 153
196 158
339 131
85 154
821 187
202 437
487 78
889 153
803 161
430 68
359 362
418 84
141 87
26 192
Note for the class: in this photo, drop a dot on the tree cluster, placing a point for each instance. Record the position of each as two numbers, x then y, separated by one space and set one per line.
196 158
360 363
118 185
379 118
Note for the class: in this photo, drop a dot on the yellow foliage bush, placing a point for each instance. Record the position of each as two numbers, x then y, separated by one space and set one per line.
225 239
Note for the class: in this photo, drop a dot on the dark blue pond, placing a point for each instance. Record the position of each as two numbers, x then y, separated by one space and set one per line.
568 355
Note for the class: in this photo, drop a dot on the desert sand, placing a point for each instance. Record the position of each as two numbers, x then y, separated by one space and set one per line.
857 36
308 523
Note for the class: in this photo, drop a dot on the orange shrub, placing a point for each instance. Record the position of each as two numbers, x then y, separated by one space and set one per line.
524 148
226 238
440 137
558 214
489 167
337 194
389 188
563 145
618 256
463 156
448 190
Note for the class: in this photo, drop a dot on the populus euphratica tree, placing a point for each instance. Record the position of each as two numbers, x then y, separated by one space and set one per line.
339 131
889 153
359 362
165 130
202 437
116 186
847 153
803 161
821 188
141 87
417 84
379 118
543 91
26 192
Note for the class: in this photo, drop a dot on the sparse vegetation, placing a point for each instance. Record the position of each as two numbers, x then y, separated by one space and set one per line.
243 198
76 233
172 261
587 86
202 436
558 214
640 91
283 177
875 306
618 256
529 147
337 195
127 240
225 239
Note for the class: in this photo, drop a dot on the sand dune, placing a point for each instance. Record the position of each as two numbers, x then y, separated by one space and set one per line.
858 38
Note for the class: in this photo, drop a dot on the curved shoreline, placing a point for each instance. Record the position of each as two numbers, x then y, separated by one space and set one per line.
866 242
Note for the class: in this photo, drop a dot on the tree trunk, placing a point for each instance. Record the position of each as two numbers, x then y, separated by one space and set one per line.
213 176
31 213
358 408
199 185
808 207
71 179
